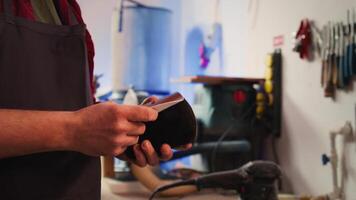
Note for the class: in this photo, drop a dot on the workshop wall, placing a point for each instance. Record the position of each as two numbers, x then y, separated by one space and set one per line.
198 18
196 24
97 15
189 17
308 117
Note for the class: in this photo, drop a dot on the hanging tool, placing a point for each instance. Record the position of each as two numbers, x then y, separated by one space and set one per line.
324 55
353 41
351 47
348 52
336 55
303 40
317 41
341 52
329 90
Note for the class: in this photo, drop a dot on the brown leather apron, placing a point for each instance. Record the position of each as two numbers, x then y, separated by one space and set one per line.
44 67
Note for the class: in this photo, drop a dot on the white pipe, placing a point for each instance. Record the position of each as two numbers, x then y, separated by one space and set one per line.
334 162
338 191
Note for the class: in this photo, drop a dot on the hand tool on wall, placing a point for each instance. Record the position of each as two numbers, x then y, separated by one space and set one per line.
329 88
350 48
317 40
303 40
341 50
336 55
324 53
337 45
348 52
353 41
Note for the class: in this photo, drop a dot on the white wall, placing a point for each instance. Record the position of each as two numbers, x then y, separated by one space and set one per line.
187 15
97 15
199 15
307 115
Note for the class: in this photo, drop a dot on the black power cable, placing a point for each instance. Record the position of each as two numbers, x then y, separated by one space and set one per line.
254 181
121 15
193 181
225 133
176 184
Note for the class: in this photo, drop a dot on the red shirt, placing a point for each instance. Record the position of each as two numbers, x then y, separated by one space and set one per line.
23 8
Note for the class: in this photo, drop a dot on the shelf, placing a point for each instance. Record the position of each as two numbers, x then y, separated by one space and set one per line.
216 80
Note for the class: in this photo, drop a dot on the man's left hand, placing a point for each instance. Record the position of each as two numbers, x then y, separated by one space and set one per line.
145 154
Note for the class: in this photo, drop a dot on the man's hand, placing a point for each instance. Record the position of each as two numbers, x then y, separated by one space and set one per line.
101 129
109 128
145 153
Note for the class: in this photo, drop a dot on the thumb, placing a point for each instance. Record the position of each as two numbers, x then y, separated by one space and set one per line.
149 100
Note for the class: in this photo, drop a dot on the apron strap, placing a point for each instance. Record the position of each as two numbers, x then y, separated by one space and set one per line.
8 7
72 18
9 14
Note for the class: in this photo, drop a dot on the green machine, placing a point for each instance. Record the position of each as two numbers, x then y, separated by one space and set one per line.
225 103
236 116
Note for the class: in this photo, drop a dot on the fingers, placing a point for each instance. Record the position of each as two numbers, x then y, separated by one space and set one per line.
149 100
139 113
135 128
140 156
150 153
188 146
146 154
166 152
184 147
129 141
140 159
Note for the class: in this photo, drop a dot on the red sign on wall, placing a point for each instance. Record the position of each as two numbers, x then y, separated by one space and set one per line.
278 41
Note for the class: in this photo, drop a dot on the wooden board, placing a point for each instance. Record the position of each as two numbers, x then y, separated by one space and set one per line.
216 80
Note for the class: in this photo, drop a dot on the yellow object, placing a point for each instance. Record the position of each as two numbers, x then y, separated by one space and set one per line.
260 109
270 99
269 60
269 73
260 97
268 86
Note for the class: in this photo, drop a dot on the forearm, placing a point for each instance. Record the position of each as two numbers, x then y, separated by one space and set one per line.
100 129
26 132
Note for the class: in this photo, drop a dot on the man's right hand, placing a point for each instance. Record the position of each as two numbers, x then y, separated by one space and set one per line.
108 128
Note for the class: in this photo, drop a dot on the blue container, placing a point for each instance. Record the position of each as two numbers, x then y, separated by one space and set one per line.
142 50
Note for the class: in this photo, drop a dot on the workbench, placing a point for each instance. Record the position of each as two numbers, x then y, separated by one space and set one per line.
116 190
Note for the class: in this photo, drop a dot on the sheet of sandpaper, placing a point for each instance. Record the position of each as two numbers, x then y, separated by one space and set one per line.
175 124
165 103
